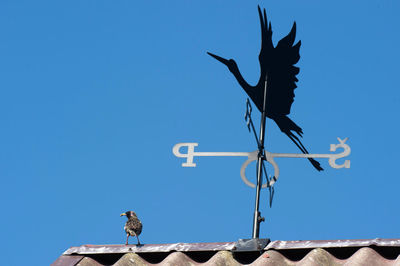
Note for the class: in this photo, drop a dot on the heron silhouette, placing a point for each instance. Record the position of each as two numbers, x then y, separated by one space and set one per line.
278 71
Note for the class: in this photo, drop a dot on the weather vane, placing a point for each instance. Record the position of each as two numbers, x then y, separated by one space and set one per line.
273 95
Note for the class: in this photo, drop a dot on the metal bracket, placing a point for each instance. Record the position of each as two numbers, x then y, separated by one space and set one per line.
254 244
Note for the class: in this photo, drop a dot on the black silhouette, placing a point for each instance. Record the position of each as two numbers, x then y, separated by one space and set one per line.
277 68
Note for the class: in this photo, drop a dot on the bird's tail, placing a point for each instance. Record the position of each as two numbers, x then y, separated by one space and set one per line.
286 125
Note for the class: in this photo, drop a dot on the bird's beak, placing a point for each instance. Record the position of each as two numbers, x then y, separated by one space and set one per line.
122 214
222 60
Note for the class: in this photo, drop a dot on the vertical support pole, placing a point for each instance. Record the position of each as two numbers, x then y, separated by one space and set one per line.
257 215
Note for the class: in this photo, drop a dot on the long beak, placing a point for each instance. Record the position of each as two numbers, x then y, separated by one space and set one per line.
122 214
222 60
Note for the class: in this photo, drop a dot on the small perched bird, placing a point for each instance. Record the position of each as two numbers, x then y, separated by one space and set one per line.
133 227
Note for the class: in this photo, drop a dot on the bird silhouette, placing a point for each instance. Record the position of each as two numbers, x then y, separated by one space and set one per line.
277 70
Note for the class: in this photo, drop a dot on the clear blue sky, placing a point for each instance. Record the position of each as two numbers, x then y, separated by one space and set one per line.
94 94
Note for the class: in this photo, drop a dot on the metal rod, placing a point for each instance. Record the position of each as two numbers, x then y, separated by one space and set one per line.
257 215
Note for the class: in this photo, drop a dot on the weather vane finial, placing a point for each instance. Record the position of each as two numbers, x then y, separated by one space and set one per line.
273 96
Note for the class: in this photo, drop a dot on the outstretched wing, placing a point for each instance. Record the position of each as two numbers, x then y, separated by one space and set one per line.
282 75
277 65
267 46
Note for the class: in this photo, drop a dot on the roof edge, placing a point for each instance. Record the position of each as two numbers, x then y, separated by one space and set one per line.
230 246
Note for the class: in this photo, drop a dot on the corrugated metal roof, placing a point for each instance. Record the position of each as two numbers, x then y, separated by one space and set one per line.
325 252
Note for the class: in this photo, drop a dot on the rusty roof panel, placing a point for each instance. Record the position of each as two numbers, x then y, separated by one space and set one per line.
333 243
218 246
149 248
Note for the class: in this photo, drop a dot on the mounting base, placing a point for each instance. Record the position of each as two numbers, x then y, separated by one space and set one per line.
253 244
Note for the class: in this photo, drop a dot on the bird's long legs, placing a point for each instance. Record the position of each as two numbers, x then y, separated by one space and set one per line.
298 143
127 237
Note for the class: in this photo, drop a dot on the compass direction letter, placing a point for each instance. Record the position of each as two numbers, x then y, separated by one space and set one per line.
334 157
190 153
